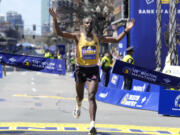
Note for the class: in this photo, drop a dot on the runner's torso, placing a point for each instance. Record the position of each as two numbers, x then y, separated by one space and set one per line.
87 51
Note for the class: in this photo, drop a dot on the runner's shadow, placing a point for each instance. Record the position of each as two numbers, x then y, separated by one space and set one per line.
101 133
164 115
11 132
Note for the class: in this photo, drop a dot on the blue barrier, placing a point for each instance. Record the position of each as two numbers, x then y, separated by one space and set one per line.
114 81
1 71
148 80
129 98
146 75
54 66
144 12
143 95
169 102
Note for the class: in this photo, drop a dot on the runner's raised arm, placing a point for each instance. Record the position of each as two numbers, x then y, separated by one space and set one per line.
58 31
117 39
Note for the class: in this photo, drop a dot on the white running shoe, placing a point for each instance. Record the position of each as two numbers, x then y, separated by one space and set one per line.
76 112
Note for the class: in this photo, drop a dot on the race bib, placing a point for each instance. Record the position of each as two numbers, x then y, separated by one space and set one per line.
89 52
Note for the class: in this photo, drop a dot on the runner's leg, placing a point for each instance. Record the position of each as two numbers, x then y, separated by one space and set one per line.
92 89
79 98
79 92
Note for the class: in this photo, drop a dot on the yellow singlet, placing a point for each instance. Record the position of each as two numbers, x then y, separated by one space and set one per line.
88 51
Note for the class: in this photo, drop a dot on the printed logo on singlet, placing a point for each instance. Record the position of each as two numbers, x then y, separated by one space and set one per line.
89 52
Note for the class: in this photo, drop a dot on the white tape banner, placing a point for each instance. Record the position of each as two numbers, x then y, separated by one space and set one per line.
172 70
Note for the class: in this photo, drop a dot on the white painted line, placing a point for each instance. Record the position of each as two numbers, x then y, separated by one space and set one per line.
34 89
38 73
32 83
8 73
23 73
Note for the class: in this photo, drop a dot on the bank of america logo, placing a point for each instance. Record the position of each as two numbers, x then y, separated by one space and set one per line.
12 59
149 1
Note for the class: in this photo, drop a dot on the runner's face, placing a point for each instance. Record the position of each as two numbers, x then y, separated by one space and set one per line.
88 25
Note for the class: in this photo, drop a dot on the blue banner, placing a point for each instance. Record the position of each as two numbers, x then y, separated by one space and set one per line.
1 71
144 93
54 66
169 102
141 86
114 81
146 75
123 43
132 99
62 50
143 34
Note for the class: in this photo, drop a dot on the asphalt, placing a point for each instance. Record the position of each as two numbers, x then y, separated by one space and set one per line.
59 133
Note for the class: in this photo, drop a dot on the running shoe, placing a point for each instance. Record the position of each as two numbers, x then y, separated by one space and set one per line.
92 131
76 113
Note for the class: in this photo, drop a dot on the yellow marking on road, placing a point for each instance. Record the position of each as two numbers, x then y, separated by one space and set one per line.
75 127
49 97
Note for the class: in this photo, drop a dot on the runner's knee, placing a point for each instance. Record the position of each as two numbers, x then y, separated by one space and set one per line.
80 97
91 96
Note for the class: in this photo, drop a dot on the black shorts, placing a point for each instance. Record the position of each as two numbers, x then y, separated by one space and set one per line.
83 74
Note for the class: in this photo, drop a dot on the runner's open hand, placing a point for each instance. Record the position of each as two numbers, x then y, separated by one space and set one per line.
52 13
130 24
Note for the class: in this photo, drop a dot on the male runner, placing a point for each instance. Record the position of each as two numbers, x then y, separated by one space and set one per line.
87 57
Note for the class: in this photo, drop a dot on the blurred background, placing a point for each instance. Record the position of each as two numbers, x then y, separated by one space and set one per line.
28 30
23 29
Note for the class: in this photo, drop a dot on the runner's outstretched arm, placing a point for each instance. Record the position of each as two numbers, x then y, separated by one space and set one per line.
58 31
129 25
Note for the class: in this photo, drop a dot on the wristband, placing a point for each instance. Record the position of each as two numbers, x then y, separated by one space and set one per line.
125 32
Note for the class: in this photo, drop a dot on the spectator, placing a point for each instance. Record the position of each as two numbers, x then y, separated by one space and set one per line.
129 59
120 56
106 67
73 63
